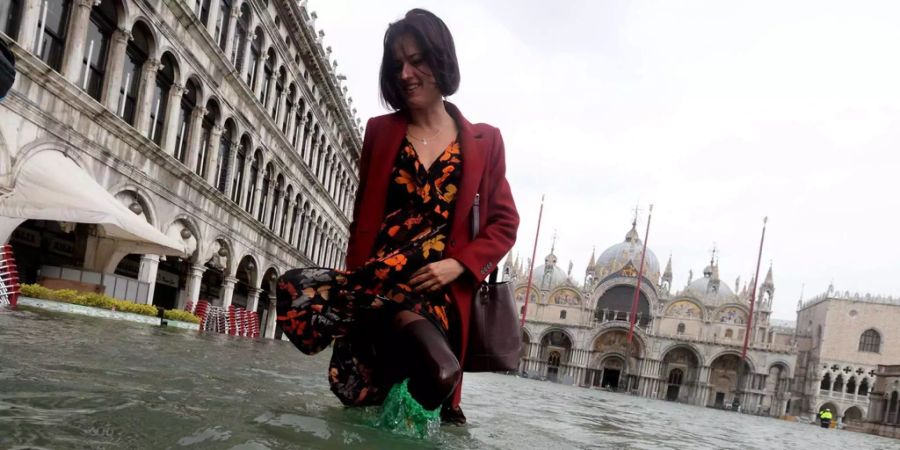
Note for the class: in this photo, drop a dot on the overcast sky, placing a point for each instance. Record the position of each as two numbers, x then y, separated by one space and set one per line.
717 112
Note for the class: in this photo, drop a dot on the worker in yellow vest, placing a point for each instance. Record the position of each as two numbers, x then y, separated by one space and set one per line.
825 417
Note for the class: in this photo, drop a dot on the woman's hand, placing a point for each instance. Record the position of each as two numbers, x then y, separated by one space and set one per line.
436 275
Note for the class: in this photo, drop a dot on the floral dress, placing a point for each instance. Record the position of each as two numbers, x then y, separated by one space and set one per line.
318 306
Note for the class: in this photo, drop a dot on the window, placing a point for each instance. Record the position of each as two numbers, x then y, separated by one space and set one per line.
870 341
132 70
10 16
188 103
264 193
680 329
240 38
276 203
268 74
255 55
254 177
207 124
729 334
224 156
222 23
165 78
203 11
238 181
96 48
562 314
52 40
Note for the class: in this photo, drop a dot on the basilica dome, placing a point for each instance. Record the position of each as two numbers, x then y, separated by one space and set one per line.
618 256
549 280
709 289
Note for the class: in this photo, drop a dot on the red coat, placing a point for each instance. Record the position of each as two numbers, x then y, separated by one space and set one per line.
483 173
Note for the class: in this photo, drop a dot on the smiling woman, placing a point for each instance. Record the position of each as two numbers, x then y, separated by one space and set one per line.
399 316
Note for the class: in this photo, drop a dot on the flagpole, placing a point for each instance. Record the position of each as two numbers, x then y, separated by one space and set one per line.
637 291
753 291
531 266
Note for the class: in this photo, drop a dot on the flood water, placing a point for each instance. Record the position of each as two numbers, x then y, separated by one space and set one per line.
69 381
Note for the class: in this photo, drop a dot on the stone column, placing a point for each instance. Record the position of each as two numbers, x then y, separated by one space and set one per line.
253 299
270 203
232 164
144 106
273 96
257 190
113 82
147 274
228 290
279 115
28 28
289 117
212 19
194 137
212 154
260 76
173 106
270 318
75 40
247 162
229 36
193 285
245 64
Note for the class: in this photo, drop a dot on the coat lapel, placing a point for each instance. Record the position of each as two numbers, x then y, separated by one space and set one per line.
473 162
380 169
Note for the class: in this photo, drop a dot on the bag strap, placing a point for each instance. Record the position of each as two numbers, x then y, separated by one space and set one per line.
492 278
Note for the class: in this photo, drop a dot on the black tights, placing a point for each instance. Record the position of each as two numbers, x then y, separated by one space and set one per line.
420 352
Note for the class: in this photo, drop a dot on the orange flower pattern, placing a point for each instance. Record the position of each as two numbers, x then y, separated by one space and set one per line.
319 306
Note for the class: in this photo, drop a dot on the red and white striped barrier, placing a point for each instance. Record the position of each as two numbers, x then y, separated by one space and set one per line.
9 277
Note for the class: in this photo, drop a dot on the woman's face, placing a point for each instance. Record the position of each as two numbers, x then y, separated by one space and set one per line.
417 83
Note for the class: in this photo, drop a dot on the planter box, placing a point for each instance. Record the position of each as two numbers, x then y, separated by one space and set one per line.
104 313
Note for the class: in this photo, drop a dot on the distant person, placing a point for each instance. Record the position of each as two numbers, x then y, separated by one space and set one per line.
825 418
7 69
401 309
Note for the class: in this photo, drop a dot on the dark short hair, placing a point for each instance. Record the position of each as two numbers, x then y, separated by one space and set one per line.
438 50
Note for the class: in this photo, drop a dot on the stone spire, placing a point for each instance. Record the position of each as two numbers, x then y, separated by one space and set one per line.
714 280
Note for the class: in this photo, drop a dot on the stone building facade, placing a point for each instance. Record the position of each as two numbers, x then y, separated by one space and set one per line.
223 123
841 340
686 345
884 404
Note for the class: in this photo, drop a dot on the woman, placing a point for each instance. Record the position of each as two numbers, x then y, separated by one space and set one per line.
401 309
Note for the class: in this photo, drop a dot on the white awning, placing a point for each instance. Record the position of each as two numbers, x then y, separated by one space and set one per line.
51 186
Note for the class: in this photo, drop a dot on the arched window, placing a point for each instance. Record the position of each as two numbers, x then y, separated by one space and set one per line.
295 218
285 211
268 77
870 341
240 38
10 16
838 383
222 23
135 57
255 54
54 26
264 192
680 329
864 387
562 314
279 90
238 181
276 202
851 385
224 155
203 11
99 32
255 167
826 382
165 78
209 121
188 103
298 122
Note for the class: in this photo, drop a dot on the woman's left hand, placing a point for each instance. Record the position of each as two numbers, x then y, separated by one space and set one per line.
436 275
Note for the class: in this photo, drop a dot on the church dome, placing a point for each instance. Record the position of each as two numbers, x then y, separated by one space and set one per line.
710 290
557 277
618 256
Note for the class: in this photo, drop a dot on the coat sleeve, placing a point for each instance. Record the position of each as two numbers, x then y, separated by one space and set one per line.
497 232
364 159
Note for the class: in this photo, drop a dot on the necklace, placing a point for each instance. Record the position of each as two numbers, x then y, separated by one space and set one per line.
423 141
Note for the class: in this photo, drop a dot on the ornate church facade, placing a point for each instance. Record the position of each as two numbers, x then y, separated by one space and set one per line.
686 345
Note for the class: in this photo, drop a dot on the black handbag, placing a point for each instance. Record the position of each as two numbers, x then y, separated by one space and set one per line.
495 339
